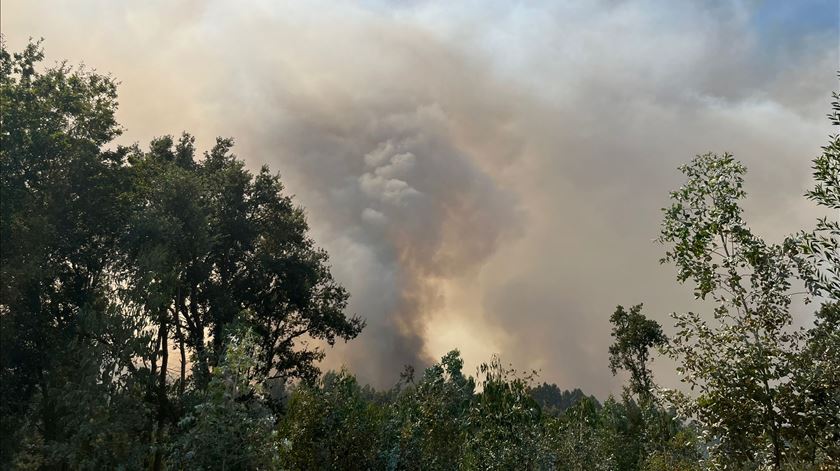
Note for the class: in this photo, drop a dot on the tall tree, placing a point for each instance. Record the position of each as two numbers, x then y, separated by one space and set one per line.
812 402
112 259
212 246
59 218
429 420
737 360
634 336
820 248
643 432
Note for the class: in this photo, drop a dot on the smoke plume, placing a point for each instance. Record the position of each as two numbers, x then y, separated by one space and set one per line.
485 176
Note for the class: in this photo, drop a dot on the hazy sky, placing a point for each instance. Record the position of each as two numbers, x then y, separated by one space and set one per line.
485 175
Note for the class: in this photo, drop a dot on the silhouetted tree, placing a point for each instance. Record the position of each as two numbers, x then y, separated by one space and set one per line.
634 336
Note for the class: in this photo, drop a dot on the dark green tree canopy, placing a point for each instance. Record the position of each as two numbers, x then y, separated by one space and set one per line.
112 258
212 246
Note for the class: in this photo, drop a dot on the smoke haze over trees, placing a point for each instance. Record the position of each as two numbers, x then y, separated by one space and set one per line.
543 138
450 271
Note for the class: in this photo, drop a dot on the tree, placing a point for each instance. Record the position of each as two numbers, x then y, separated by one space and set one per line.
112 258
428 421
633 337
230 428
554 401
505 423
737 361
642 433
577 438
59 218
222 246
211 247
820 248
768 393
331 425
812 399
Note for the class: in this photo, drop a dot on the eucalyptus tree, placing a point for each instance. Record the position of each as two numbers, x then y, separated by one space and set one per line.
506 427
222 431
428 421
581 440
812 403
820 248
331 424
737 361
643 432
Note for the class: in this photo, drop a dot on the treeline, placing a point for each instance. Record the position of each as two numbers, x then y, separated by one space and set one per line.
448 420
117 259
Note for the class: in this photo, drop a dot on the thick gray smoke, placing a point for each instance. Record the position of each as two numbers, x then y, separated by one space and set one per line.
403 206
484 176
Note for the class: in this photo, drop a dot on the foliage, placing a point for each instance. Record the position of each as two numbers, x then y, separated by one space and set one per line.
811 399
737 361
553 401
634 336
768 393
60 336
330 426
230 428
428 422
645 434
820 248
505 423
578 438
113 258
812 396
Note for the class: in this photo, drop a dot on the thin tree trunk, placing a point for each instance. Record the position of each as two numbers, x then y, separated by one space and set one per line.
162 399
180 334
203 376
768 400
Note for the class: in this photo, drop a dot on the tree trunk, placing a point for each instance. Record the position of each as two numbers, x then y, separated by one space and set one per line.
203 369
161 392
180 335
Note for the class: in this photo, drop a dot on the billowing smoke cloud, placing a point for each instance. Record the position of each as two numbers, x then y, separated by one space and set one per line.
417 210
484 176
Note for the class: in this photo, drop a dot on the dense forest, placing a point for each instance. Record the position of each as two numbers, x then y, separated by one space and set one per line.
165 310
